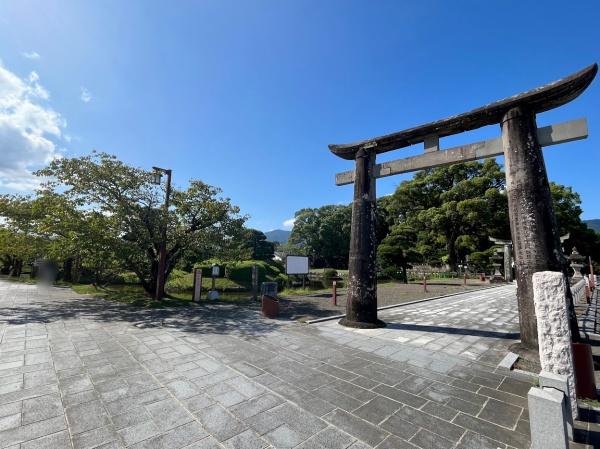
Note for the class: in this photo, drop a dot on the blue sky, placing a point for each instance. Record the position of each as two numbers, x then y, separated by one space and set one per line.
246 95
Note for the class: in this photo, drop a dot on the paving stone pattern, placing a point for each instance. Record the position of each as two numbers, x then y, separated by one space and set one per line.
85 373
477 326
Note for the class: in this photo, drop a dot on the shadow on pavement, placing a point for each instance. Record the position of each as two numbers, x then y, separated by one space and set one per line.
211 318
454 331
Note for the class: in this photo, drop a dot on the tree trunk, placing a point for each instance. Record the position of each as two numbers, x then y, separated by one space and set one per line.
451 248
67 270
76 270
17 266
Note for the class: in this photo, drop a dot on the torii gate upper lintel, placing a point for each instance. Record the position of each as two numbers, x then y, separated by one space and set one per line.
533 228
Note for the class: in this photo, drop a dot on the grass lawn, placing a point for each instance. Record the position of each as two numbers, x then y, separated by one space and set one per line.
135 295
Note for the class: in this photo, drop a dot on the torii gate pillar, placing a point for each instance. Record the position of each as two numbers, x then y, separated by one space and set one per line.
536 243
361 308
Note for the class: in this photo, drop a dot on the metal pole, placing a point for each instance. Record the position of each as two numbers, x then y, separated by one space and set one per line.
162 261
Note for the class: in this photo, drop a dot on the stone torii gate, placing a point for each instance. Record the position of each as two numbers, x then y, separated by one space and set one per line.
533 225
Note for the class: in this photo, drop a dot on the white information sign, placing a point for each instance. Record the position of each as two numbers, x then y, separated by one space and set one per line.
296 265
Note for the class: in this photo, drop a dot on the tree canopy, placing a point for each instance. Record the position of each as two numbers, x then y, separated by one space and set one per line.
104 214
442 216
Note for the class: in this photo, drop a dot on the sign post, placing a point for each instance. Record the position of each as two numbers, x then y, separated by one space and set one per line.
297 265
213 293
197 285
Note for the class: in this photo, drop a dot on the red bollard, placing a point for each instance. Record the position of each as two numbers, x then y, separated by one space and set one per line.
585 383
587 294
334 295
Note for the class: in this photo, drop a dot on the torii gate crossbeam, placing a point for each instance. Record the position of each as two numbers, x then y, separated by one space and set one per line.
532 222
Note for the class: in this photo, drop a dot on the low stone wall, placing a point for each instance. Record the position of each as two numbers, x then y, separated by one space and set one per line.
578 291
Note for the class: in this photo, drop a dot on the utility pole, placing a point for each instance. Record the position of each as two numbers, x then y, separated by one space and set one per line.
162 258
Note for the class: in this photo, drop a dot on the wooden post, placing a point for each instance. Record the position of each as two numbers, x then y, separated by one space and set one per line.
532 223
361 306
334 293
197 290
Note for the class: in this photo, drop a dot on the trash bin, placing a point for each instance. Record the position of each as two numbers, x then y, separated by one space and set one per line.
269 302
269 289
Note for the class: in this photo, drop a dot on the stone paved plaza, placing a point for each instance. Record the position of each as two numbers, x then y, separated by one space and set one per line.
86 373
476 326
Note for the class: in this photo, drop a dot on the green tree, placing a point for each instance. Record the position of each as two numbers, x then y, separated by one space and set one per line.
567 208
54 228
396 252
453 209
21 243
199 220
324 234
257 245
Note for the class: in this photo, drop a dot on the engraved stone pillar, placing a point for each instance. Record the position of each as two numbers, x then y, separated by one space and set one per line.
532 223
554 332
361 306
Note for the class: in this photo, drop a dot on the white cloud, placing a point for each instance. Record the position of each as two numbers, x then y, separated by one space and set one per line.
31 55
86 95
289 223
28 129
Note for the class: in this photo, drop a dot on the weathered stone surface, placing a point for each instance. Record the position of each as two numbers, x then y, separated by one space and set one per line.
554 334
560 383
508 361
361 306
533 226
137 377
547 419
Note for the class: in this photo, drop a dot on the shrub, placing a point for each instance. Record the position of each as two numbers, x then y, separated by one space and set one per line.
180 281
282 281
392 272
125 277
328 275
241 272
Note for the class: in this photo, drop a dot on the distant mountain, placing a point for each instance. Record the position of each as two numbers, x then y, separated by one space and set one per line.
278 235
593 224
